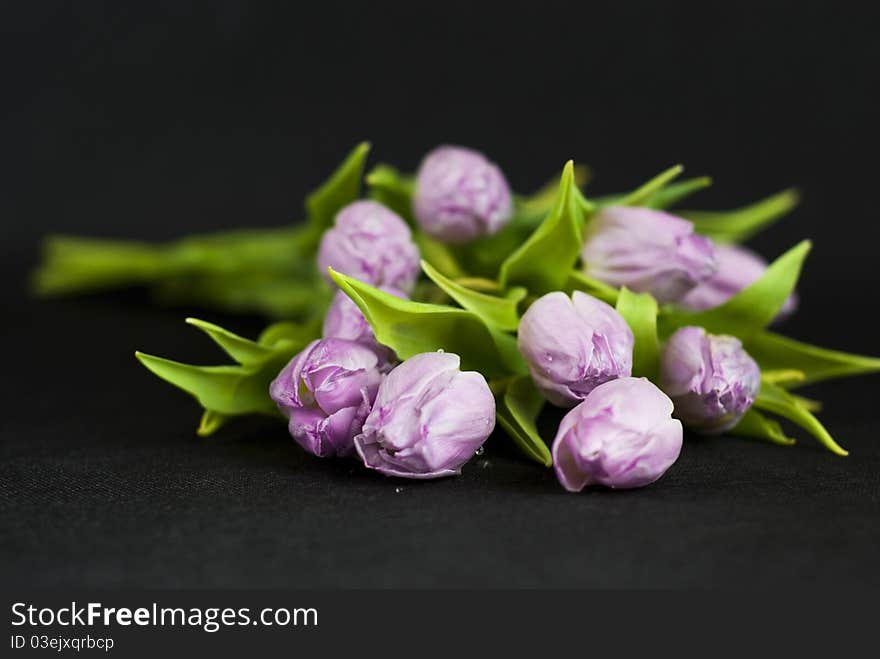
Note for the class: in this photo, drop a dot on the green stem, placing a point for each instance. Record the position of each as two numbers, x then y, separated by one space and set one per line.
74 265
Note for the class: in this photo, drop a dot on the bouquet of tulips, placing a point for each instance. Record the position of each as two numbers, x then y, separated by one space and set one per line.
419 317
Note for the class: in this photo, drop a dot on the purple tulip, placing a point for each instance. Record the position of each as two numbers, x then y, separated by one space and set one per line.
460 195
345 321
428 419
371 244
326 392
710 378
647 251
738 267
572 345
621 436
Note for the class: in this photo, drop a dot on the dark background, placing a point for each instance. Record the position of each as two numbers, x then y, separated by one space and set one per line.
149 120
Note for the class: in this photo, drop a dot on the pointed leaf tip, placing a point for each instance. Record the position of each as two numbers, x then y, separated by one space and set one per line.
776 400
645 191
740 224
542 263
567 174
363 147
773 351
675 192
337 277
242 350
210 423
341 188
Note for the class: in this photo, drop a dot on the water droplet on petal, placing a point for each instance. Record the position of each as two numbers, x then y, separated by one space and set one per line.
440 350
398 490
480 450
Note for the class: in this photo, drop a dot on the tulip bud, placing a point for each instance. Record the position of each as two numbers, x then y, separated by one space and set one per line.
326 392
738 267
572 345
428 419
710 378
622 436
647 251
371 244
460 195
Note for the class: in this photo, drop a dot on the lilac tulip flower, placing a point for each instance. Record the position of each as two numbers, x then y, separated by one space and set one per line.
648 251
326 392
371 244
711 379
621 436
571 345
429 418
460 195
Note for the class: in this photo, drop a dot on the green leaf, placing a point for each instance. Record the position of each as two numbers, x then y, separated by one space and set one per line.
754 307
639 310
342 188
392 189
439 254
242 350
224 389
498 312
516 411
578 281
775 352
480 284
543 263
211 422
741 224
410 328
532 209
675 192
756 425
484 256
643 193
783 377
776 400
808 403
289 335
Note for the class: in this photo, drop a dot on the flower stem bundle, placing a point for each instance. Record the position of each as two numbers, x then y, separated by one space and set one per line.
442 306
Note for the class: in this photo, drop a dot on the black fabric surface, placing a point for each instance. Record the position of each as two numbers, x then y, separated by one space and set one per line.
153 122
